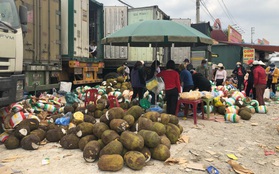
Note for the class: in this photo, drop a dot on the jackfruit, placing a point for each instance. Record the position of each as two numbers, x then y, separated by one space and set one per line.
173 119
40 133
130 119
164 118
144 124
69 141
165 141
131 141
134 160
21 130
54 135
172 132
30 142
89 119
151 138
161 152
159 128
114 113
111 162
245 115
109 135
91 107
119 125
84 140
146 152
113 147
136 111
84 129
69 108
91 151
11 142
99 128
152 115
98 113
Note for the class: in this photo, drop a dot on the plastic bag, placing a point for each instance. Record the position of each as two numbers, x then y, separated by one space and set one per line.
71 98
267 93
161 85
151 84
65 86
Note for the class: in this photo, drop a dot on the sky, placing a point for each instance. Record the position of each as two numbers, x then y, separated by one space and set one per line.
261 16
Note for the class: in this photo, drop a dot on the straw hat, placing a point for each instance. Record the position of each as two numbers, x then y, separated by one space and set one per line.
220 65
238 63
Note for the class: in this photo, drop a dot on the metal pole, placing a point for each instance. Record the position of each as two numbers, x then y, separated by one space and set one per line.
252 33
197 11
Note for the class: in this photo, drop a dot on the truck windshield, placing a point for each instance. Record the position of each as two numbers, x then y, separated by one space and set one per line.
8 13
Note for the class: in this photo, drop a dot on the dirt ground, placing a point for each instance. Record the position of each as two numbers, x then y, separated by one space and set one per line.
255 143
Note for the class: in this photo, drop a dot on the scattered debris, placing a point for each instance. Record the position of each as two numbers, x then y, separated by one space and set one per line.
239 168
232 156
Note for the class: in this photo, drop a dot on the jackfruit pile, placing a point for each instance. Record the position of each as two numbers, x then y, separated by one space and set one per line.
112 138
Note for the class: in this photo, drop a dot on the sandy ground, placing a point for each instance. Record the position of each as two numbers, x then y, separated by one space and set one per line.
209 143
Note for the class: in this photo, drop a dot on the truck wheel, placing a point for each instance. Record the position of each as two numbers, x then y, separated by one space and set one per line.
111 75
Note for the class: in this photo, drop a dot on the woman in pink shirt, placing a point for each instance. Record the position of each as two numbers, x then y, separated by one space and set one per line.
221 75
172 86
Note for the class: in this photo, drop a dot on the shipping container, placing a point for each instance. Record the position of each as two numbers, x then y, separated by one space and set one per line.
42 44
115 18
82 23
227 54
178 54
146 54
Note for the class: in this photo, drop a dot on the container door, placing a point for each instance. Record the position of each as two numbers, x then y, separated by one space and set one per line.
29 38
81 35
115 18
137 53
178 54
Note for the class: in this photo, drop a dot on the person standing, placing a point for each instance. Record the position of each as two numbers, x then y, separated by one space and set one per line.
185 78
240 72
259 81
272 76
188 64
138 80
221 75
172 86
203 68
93 50
154 69
126 72
250 80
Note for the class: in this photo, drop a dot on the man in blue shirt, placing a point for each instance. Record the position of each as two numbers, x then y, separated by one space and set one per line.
185 78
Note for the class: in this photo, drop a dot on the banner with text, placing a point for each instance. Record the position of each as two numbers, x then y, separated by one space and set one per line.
248 53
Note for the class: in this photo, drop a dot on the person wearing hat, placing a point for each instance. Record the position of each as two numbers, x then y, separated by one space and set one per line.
240 72
272 73
259 81
203 68
250 81
221 75
188 64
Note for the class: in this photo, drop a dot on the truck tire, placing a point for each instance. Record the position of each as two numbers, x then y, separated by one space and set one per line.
111 75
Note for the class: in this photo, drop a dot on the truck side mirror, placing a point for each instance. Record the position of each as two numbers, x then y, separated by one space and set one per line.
23 18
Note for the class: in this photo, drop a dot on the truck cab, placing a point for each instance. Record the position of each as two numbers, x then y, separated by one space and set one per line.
11 51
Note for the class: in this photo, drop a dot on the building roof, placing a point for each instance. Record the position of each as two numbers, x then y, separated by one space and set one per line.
266 48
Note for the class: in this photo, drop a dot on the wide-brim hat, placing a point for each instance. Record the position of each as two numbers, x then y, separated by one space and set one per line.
261 63
238 63
255 62
220 65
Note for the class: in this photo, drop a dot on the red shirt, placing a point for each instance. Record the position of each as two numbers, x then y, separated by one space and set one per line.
171 79
259 76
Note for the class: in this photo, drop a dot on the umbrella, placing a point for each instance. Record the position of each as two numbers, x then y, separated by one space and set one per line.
158 33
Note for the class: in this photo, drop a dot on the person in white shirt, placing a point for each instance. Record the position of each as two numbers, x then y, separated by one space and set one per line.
221 75
92 50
